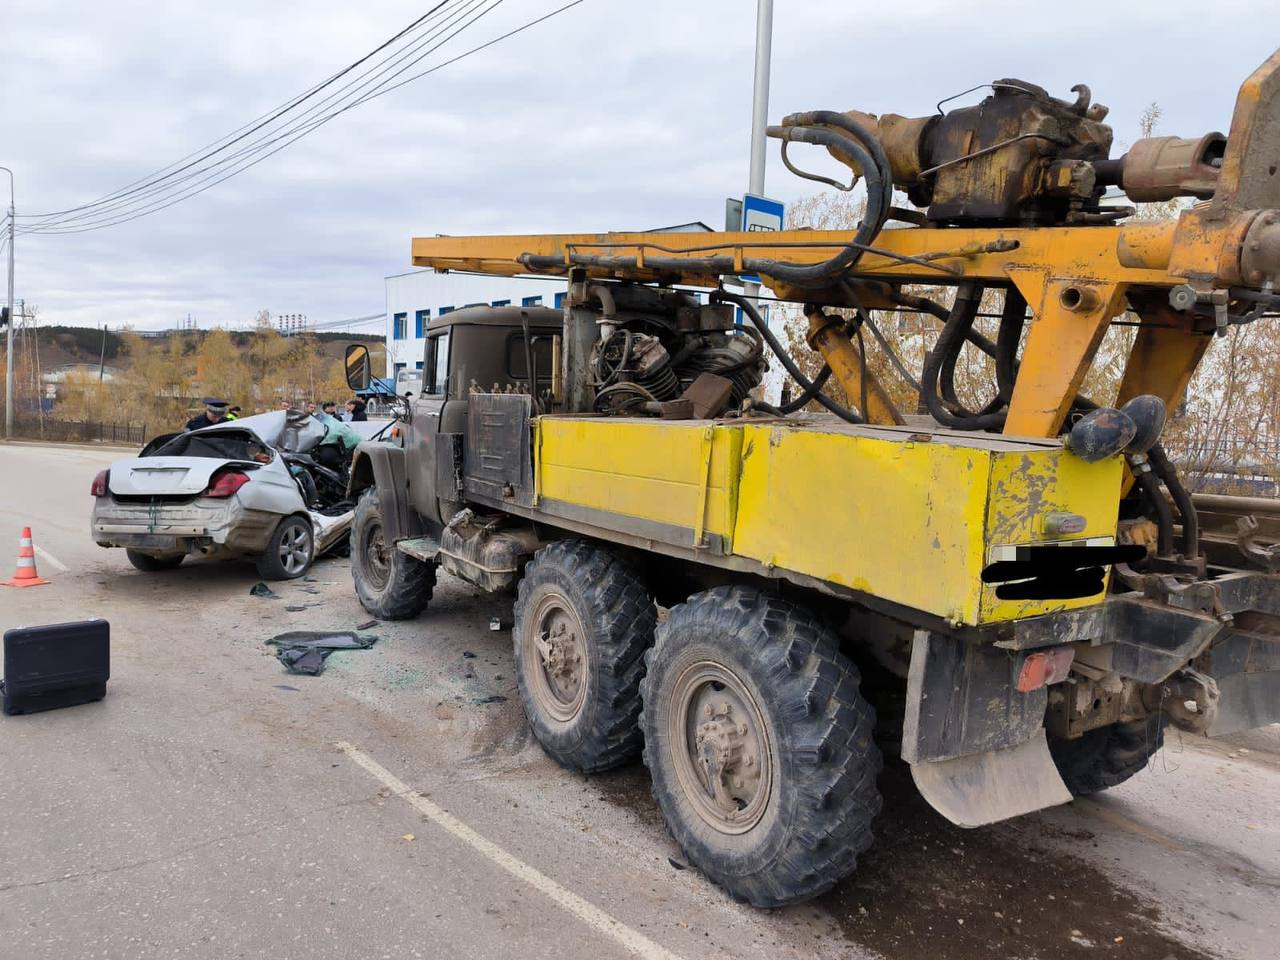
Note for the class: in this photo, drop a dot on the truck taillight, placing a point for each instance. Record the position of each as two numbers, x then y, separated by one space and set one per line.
99 488
226 483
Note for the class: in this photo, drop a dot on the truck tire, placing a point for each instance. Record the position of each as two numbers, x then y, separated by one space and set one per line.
583 621
760 745
1108 756
149 564
390 585
290 551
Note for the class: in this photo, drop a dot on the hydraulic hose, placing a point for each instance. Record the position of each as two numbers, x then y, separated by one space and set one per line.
807 394
865 319
860 151
925 305
870 141
1165 469
1164 516
950 340
1013 316
749 309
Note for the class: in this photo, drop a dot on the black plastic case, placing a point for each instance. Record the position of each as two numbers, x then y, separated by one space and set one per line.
56 665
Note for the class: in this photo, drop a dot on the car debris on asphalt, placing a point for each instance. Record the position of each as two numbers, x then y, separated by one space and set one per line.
305 651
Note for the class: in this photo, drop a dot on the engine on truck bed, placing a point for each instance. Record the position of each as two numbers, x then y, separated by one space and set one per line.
655 345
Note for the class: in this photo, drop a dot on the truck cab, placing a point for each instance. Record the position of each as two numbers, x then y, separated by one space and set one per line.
473 350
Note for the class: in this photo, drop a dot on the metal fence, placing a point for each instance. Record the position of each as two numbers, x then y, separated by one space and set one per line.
1228 462
47 428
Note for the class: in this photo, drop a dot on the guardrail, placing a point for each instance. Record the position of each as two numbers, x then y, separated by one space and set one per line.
73 431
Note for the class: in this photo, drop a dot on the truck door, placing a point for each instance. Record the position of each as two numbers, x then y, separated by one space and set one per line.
422 437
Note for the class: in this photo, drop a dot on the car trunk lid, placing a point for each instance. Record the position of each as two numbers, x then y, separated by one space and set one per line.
164 476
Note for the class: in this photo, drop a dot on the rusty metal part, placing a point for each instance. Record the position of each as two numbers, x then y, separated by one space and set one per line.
556 642
1266 557
720 743
709 394
827 335
1018 156
1260 256
680 409
1250 177
1189 699
1161 168
901 138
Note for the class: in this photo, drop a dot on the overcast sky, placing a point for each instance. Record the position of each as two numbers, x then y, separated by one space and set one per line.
613 115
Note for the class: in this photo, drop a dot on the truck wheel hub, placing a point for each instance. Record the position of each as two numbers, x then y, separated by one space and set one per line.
725 766
377 562
560 674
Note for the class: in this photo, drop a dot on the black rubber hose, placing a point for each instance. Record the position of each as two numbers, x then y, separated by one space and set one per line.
947 380
1164 516
950 339
865 319
848 151
1012 318
942 313
808 393
831 118
780 351
1165 469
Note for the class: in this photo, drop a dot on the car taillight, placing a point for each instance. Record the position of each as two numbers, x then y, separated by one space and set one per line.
99 488
226 483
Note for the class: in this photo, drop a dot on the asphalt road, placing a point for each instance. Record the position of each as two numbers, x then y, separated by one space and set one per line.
214 806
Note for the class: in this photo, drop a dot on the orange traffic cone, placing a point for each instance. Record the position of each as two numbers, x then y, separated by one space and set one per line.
25 575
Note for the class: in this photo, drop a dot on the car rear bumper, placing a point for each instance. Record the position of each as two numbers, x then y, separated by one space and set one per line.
202 525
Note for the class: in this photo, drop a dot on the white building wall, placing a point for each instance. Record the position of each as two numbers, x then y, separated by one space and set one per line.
420 296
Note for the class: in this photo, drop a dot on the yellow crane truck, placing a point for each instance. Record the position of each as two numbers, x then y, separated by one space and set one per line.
724 584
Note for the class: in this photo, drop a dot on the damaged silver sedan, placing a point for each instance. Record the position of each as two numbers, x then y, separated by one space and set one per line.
270 487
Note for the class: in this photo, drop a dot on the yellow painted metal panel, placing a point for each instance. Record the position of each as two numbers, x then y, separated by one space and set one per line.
898 519
648 469
1084 253
881 510
1027 487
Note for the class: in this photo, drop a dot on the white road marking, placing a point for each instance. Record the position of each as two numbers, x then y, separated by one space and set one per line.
588 913
50 558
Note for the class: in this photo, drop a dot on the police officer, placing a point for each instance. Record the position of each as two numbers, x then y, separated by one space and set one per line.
215 411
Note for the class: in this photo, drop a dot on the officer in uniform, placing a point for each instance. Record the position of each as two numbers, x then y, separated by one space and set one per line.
215 411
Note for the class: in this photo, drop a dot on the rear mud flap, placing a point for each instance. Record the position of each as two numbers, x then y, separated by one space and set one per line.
982 788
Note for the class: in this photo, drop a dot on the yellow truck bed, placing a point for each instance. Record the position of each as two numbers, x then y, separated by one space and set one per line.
904 514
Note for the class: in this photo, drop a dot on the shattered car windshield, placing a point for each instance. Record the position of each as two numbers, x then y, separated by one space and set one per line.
215 446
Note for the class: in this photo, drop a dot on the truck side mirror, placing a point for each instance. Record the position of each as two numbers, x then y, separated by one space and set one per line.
357 361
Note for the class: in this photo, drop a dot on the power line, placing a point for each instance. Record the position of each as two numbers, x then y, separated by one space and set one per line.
171 183
253 125
364 321
153 196
101 219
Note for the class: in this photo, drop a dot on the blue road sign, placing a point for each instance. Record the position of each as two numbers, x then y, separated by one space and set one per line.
760 214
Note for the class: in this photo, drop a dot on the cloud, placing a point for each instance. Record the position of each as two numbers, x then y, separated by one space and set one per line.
614 115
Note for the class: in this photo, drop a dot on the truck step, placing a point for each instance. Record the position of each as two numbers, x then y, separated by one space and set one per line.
420 548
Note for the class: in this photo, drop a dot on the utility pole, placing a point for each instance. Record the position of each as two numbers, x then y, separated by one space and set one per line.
760 116
760 108
760 94
8 357
102 354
